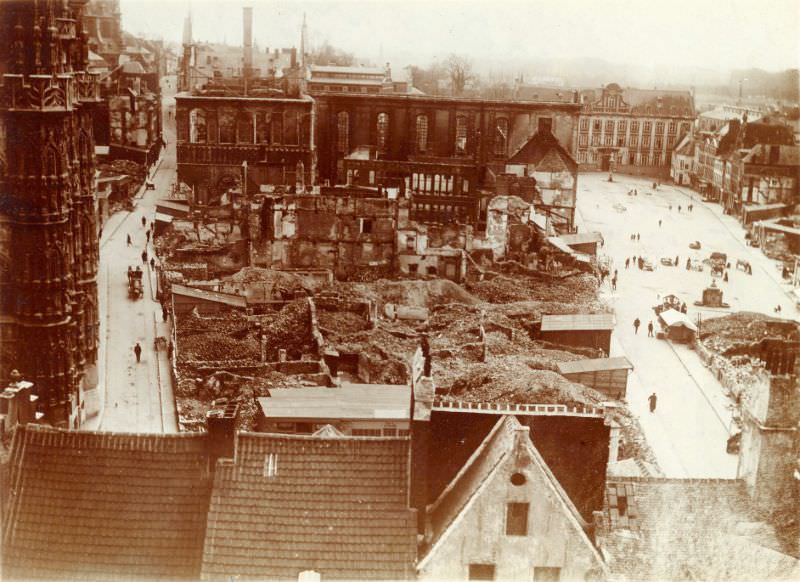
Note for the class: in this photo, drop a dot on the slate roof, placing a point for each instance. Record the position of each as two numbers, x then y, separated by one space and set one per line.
688 529
544 152
334 505
102 506
578 322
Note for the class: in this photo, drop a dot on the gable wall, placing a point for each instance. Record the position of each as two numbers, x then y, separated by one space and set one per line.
478 535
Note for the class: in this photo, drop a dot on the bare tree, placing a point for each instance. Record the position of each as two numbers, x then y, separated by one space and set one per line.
460 71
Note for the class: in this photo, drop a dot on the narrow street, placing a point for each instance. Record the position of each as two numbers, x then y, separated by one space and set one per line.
136 397
692 420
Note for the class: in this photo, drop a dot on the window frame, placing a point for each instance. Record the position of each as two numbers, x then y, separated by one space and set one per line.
517 522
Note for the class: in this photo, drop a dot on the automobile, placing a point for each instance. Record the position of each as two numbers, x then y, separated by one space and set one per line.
647 265
667 262
695 245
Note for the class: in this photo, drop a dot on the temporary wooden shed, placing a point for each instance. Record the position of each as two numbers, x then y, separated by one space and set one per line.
606 375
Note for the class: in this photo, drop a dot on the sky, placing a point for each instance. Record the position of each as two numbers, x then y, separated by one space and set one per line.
718 35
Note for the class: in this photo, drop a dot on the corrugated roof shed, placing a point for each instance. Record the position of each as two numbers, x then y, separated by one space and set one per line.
214 296
594 365
351 401
287 504
578 322
103 506
580 238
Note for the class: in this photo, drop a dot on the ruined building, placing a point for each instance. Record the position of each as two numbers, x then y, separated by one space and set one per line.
48 290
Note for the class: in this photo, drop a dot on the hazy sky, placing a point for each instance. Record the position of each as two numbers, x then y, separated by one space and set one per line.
714 34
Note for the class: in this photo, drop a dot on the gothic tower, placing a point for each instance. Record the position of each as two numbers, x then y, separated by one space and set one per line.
48 294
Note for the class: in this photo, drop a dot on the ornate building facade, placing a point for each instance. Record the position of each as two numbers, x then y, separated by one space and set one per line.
48 266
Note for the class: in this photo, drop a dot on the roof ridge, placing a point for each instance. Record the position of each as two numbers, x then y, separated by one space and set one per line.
156 442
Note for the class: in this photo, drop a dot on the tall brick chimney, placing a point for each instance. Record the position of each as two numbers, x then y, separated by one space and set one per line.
421 407
221 427
247 14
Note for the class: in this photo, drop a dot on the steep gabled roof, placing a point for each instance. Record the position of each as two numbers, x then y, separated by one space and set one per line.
103 506
508 441
688 529
287 503
544 152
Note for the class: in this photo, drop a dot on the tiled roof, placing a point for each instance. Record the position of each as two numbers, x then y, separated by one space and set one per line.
102 506
578 322
688 529
544 152
287 504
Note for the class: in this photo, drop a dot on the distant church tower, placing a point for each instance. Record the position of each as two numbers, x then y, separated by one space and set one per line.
48 228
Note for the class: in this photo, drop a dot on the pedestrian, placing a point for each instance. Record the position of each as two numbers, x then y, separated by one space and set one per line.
153 263
144 221
100 233
164 313
638 236
144 256
634 259
652 399
641 263
670 207
130 272
129 240
147 234
137 350
688 264
725 277
650 329
677 261
170 350
659 223
690 207
636 324
627 262
679 207
615 273
614 283
683 308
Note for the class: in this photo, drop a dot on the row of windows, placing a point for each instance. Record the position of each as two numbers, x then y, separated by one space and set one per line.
632 142
631 158
621 126
263 127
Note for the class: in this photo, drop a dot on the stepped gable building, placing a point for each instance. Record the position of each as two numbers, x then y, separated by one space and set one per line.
632 130
48 267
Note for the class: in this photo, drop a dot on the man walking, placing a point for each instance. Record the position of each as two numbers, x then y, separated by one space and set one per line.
636 324
147 234
137 350
164 313
144 256
627 262
130 242
652 399
144 221
650 329
614 283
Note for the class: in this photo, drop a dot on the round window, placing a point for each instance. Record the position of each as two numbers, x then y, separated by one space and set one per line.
518 479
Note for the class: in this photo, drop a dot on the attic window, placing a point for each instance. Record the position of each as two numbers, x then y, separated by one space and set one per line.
518 479
481 571
517 519
271 465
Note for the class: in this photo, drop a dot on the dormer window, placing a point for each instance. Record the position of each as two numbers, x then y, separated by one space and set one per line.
271 465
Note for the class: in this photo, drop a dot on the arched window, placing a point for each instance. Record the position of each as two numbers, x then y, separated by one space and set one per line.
244 127
422 133
343 132
500 137
383 130
227 126
461 134
263 127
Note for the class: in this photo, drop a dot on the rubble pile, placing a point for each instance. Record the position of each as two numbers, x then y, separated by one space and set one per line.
414 293
733 333
289 329
575 289
335 324
216 338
